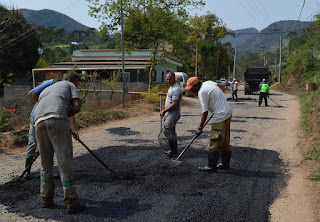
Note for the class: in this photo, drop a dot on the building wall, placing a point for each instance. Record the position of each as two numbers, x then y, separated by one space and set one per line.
17 97
162 70
53 74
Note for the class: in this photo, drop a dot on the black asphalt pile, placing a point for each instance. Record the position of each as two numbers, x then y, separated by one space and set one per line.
158 192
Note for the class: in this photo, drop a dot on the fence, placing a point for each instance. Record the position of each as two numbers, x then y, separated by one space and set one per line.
16 96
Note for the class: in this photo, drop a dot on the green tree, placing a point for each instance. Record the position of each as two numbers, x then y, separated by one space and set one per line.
19 44
148 23
206 31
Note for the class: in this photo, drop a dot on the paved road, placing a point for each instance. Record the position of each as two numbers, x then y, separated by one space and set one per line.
161 193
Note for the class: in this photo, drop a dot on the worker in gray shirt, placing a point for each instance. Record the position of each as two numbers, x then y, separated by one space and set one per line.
53 134
171 113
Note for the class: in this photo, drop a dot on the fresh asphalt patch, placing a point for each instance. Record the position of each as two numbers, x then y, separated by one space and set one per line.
158 192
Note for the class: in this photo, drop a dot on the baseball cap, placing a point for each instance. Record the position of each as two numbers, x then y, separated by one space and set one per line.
192 81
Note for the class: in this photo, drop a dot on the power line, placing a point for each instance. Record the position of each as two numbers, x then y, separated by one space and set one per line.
257 14
270 20
259 11
251 14
304 2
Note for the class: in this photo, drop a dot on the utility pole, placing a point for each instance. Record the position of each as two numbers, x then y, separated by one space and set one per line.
122 51
275 67
196 71
280 59
234 63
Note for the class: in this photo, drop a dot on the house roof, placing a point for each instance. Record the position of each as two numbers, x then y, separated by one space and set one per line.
113 55
65 66
109 59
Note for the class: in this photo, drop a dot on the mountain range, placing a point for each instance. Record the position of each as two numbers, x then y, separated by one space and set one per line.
48 18
267 39
250 39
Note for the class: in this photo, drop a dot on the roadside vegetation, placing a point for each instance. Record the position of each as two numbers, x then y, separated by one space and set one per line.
88 116
302 68
96 115
153 97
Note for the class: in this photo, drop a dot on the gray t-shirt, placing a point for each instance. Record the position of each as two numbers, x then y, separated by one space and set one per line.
174 93
56 99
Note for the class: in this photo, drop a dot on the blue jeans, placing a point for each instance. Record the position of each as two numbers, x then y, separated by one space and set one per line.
32 142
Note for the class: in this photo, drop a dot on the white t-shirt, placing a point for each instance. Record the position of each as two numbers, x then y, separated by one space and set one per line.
212 99
174 93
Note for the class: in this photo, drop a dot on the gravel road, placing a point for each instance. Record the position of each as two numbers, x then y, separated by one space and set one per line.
264 156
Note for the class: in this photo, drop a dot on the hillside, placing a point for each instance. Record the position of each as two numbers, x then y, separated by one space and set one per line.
267 39
241 37
48 18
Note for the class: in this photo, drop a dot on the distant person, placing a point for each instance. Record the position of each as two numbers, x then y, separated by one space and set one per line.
264 92
213 100
235 89
171 113
56 104
32 142
232 84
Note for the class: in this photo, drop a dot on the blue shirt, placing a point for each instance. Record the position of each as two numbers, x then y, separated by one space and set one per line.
37 90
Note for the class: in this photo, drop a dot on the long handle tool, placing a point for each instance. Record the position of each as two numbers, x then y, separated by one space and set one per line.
125 176
161 137
29 166
275 102
160 112
176 161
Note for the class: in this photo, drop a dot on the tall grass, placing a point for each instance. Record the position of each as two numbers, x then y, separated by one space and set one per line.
310 123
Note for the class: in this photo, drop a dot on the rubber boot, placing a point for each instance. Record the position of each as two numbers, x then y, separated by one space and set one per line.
173 152
27 175
213 158
225 160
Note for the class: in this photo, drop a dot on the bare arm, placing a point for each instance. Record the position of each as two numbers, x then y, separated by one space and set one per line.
172 106
203 119
72 121
33 96
76 106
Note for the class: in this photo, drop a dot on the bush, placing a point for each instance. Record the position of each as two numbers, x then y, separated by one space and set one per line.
5 125
153 97
96 115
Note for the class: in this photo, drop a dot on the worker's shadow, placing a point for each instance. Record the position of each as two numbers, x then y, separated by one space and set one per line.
111 209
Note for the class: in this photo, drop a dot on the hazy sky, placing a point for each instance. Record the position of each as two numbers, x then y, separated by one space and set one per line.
237 14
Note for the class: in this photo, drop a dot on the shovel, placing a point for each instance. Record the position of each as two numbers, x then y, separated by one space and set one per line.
176 162
124 176
161 137
275 102
28 167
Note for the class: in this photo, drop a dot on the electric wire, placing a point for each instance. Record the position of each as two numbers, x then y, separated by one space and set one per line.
260 12
256 13
269 18
304 2
248 11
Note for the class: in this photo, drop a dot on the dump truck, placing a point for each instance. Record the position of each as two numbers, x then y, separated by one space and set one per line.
253 76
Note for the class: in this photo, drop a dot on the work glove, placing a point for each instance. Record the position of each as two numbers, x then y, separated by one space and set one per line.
199 131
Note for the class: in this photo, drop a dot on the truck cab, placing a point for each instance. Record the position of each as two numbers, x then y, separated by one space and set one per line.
253 76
